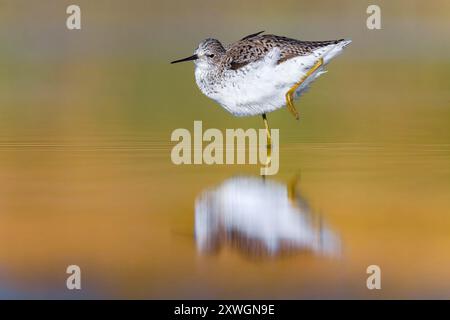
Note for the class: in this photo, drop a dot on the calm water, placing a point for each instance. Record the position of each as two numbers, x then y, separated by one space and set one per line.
140 227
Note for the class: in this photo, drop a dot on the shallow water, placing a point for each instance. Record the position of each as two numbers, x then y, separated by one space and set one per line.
128 217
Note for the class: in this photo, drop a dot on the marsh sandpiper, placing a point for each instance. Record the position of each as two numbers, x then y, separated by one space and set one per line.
260 73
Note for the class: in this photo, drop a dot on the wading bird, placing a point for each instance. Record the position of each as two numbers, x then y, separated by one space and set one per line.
261 72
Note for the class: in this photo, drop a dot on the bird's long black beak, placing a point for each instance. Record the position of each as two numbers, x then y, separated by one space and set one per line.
194 57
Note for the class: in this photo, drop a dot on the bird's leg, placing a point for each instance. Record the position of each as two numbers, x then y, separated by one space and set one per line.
269 141
292 188
291 91
269 138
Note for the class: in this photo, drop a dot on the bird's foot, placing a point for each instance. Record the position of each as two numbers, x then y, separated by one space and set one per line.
290 102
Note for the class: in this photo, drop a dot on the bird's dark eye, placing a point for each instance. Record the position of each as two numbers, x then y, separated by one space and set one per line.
211 55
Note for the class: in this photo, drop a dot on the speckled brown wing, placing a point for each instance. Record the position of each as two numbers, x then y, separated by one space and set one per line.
255 47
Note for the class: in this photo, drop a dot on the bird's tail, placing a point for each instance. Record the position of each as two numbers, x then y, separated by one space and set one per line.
333 50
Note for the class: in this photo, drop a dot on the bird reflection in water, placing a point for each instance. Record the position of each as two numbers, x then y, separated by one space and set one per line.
260 218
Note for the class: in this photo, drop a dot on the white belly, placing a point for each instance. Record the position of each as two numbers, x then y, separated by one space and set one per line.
261 87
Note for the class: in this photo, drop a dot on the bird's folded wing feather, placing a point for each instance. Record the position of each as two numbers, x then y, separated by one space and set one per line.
253 48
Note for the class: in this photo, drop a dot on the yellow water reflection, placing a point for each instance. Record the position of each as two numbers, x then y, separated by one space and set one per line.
138 225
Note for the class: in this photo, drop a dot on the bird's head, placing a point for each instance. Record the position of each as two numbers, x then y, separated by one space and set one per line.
207 55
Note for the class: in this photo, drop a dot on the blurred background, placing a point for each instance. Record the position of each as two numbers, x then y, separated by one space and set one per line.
86 176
